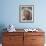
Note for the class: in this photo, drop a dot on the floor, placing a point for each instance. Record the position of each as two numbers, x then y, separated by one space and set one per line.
0 44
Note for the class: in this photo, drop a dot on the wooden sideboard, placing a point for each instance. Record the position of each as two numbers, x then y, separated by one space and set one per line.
23 39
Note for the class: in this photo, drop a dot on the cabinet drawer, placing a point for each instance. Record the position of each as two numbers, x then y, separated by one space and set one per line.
12 45
12 39
34 33
37 39
13 33
37 44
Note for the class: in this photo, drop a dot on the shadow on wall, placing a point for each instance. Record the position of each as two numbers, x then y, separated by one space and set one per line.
2 26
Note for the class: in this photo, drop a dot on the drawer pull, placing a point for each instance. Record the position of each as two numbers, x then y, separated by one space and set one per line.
33 39
10 38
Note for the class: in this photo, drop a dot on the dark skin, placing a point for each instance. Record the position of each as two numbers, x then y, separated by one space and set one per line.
27 15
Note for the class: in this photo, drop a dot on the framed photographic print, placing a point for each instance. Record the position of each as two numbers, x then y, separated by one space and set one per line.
26 13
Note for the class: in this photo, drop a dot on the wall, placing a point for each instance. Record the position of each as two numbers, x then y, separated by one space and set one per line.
10 13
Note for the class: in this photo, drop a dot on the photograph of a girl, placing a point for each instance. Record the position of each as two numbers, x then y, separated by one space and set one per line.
26 13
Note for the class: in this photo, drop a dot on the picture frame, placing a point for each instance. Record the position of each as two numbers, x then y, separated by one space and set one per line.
26 13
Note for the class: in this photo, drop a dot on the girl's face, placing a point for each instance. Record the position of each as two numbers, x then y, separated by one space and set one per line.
26 13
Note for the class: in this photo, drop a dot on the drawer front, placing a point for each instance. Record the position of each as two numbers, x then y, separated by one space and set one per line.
34 33
37 39
13 33
12 39
37 45
12 45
